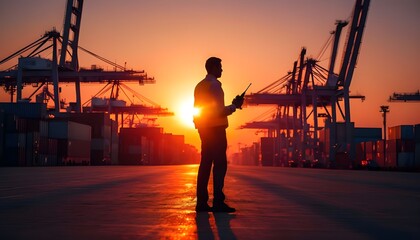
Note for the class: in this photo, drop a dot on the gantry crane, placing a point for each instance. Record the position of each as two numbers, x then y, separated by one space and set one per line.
311 85
64 68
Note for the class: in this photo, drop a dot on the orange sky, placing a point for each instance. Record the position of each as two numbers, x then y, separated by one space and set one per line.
257 41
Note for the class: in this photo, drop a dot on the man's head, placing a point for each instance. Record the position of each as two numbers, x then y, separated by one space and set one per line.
214 66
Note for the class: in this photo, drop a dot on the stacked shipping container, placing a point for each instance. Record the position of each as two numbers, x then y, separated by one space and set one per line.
248 156
150 146
73 142
399 151
268 151
36 142
137 146
103 137
29 137
20 126
401 145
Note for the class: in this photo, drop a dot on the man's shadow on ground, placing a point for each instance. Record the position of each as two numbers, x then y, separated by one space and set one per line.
222 220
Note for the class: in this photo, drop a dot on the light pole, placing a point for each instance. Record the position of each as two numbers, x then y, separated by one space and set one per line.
384 110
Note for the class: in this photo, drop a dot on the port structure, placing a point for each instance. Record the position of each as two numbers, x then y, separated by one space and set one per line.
64 68
405 97
298 96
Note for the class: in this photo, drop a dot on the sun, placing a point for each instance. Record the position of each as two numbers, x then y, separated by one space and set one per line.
186 112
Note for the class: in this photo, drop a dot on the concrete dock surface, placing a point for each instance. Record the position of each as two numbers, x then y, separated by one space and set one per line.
157 202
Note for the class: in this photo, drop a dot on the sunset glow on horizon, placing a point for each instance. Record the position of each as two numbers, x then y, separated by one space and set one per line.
256 40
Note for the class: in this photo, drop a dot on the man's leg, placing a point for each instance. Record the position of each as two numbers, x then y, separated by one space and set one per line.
219 172
220 165
204 169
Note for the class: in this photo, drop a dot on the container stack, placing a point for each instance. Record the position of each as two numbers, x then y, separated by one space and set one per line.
101 142
73 142
401 146
397 152
138 146
30 137
171 149
268 151
114 142
21 128
150 146
48 151
250 155
23 141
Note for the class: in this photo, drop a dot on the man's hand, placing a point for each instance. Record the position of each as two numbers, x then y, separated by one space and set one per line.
238 101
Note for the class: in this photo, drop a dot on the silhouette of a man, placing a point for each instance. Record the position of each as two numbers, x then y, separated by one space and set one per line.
211 123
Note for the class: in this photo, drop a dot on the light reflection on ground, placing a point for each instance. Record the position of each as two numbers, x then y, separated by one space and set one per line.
182 222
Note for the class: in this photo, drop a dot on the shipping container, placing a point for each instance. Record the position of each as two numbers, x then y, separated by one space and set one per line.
391 153
417 155
171 149
268 151
406 160
367 134
73 152
25 109
370 150
114 142
52 147
100 122
140 146
9 122
342 161
47 152
130 148
380 154
100 151
10 156
101 144
101 132
403 132
32 148
20 149
360 154
147 151
249 155
114 154
69 130
417 133
31 125
399 145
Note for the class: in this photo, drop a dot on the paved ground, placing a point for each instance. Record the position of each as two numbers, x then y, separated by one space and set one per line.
158 203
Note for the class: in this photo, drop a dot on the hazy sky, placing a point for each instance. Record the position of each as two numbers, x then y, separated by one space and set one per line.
257 41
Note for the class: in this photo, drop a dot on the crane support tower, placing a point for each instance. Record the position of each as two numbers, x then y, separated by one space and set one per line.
71 29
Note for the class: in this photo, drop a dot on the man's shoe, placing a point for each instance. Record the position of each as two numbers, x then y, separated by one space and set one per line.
223 207
203 208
